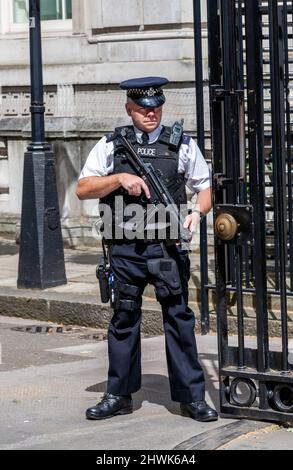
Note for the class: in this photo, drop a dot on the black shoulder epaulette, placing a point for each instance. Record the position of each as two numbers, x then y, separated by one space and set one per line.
186 139
117 131
109 137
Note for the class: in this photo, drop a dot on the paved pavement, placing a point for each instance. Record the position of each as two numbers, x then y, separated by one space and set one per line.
49 379
43 401
270 438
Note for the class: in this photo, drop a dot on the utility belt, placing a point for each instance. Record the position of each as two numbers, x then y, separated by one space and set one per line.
124 296
147 241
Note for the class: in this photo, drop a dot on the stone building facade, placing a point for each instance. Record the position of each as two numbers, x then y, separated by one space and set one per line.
89 46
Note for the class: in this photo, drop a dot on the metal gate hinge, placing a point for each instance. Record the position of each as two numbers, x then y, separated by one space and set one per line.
221 180
218 93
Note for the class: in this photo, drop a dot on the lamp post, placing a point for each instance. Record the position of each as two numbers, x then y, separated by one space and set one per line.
41 256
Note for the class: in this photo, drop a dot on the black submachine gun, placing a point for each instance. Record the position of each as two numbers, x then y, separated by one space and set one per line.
153 178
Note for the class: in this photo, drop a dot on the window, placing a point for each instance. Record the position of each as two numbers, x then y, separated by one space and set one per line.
20 11
56 16
50 10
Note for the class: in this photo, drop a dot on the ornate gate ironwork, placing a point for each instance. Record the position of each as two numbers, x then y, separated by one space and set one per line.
251 66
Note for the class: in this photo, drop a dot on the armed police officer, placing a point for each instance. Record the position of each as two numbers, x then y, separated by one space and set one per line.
163 261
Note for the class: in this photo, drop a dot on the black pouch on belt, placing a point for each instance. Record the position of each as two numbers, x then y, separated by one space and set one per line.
165 270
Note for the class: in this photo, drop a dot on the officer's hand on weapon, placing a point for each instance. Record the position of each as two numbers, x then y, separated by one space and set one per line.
191 221
133 184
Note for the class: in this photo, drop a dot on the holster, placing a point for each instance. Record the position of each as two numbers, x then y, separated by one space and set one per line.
166 271
126 297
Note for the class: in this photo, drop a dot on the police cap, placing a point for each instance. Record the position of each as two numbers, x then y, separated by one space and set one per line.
145 91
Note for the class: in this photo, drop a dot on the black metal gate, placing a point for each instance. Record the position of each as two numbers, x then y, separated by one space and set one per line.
250 64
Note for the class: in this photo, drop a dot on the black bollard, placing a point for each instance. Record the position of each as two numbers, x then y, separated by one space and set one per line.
41 256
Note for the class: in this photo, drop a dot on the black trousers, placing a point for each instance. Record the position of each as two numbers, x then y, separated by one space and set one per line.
128 263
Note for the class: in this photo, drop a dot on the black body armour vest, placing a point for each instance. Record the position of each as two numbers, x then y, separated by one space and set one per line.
162 156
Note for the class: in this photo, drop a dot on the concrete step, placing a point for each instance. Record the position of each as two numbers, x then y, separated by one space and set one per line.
86 310
78 302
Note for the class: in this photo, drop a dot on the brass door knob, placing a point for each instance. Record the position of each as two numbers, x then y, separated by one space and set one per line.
226 227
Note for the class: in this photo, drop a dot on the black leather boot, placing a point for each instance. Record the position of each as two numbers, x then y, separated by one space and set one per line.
110 405
198 410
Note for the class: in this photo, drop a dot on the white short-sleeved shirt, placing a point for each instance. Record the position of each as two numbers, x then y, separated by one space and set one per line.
100 161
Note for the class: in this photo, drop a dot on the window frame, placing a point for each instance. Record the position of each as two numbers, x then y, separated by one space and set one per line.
47 26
